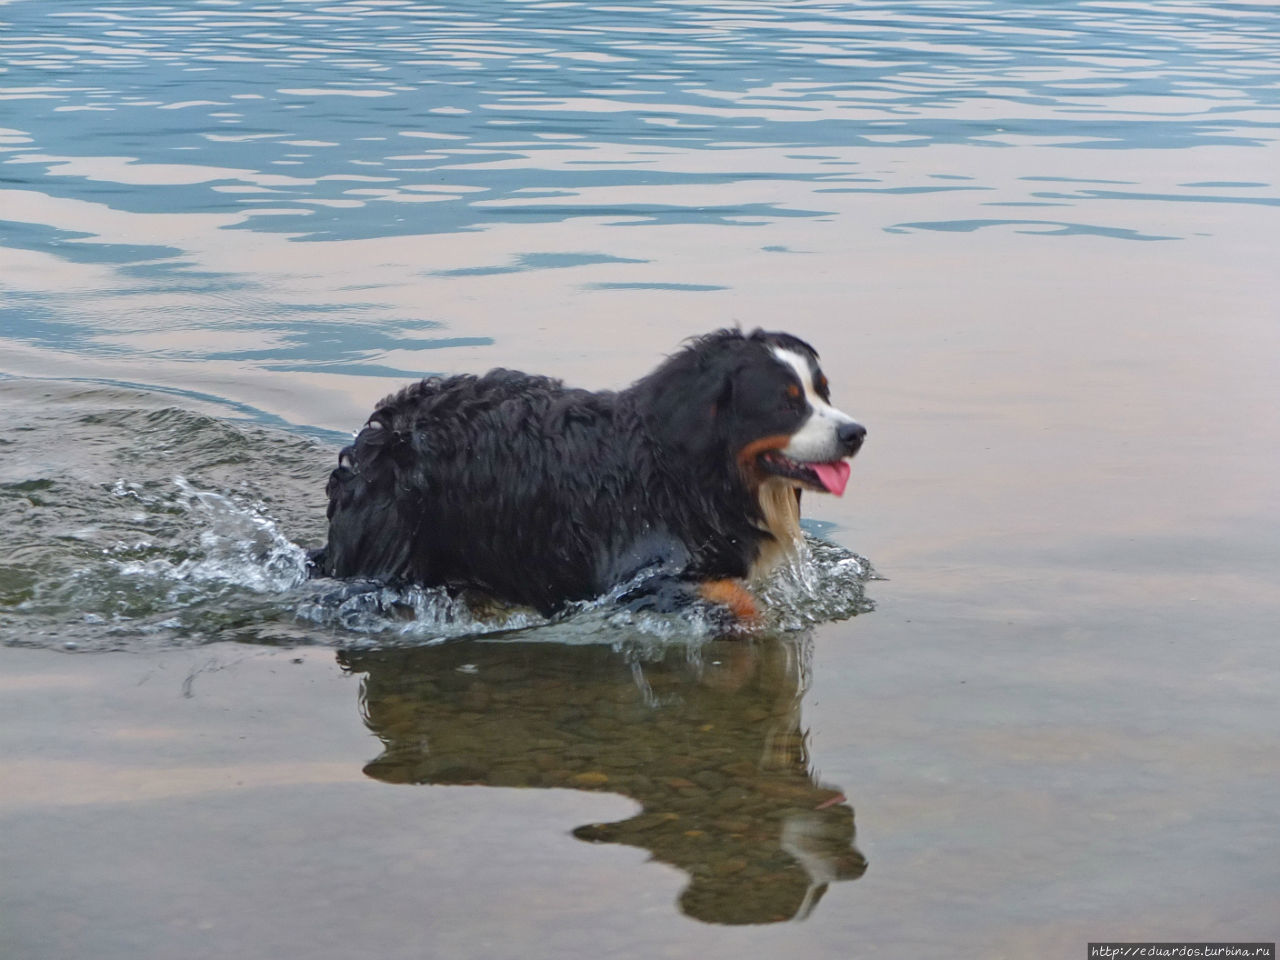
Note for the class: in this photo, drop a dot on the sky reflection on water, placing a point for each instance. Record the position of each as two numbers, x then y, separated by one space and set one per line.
467 114
140 143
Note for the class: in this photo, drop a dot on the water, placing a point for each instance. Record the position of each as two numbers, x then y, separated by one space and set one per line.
469 146
1035 244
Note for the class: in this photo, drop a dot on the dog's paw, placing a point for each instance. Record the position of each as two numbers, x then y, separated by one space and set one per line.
733 597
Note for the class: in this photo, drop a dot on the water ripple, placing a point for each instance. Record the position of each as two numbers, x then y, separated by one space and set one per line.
258 102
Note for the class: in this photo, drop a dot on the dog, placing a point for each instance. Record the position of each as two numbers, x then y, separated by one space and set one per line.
683 488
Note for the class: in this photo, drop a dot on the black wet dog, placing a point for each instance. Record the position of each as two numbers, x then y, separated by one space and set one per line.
539 494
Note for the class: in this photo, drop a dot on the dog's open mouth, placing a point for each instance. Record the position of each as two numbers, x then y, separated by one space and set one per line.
831 477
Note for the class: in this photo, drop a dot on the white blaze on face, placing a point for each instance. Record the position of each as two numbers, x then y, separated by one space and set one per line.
817 440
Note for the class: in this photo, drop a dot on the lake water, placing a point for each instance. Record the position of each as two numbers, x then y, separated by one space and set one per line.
1036 245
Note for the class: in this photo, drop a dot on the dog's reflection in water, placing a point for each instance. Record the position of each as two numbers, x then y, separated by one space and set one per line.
709 742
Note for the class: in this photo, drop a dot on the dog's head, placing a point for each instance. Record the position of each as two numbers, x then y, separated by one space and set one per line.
754 409
759 402
782 425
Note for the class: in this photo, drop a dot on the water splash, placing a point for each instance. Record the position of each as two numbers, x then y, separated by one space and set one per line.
216 566
172 563
375 615
237 544
822 582
146 524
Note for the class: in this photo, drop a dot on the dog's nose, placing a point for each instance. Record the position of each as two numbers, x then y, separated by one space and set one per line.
851 436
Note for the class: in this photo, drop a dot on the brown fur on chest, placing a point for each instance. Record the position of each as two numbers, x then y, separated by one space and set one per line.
780 506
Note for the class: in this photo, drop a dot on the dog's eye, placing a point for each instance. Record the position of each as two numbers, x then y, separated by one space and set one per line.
794 394
822 386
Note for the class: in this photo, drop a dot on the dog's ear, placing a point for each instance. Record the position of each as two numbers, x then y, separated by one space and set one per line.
723 401
685 404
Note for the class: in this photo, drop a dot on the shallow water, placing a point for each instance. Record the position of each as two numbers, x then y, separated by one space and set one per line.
1035 245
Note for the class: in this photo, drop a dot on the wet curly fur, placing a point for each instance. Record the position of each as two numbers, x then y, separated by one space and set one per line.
539 494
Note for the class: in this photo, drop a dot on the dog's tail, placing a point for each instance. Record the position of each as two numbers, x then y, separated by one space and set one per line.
370 523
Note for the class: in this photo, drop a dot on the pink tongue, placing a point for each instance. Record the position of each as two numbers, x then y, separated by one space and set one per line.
834 476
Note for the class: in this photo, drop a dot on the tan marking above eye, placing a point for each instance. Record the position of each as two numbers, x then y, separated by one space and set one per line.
821 383
793 391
